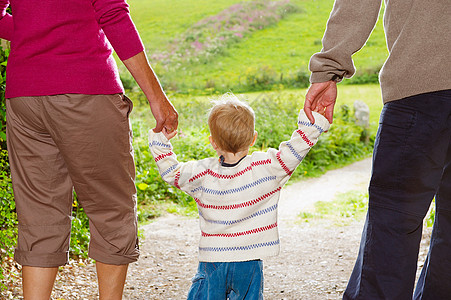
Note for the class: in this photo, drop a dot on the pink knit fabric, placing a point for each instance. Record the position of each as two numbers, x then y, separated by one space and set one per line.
65 47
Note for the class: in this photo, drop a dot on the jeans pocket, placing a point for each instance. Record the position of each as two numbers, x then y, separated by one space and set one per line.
395 128
197 285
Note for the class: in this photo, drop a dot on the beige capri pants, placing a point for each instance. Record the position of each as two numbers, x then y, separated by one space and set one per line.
64 142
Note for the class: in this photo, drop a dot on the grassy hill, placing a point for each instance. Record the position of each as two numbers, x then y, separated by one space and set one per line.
264 59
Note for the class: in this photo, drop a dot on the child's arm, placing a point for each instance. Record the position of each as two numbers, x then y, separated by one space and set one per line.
169 167
292 152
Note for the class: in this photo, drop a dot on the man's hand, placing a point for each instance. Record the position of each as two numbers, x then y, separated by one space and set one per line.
321 98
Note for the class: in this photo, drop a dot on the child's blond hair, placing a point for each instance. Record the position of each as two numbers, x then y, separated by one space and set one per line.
231 124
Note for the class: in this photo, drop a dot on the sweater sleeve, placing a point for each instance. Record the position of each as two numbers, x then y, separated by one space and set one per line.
292 152
170 168
114 18
6 21
350 24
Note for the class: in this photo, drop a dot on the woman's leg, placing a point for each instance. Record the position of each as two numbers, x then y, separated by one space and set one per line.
43 194
38 282
111 280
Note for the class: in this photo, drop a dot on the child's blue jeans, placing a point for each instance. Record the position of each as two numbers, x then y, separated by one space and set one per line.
228 280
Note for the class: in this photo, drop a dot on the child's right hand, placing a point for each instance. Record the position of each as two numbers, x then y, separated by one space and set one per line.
168 135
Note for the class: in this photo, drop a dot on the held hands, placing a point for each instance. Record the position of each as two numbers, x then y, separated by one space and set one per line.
165 115
168 135
321 98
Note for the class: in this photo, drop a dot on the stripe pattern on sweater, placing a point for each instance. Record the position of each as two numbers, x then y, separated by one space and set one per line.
238 205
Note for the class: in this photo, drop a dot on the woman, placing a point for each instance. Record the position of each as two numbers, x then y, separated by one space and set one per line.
68 129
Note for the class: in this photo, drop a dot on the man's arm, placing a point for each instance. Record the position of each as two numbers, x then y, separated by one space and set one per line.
350 24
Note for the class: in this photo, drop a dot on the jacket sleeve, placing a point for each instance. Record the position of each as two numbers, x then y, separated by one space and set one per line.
170 168
292 152
114 18
348 28
6 21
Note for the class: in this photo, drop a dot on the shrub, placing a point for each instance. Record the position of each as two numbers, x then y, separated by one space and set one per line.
8 218
365 76
4 53
79 235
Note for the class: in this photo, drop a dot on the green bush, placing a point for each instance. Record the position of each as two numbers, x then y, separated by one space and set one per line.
79 235
8 218
4 53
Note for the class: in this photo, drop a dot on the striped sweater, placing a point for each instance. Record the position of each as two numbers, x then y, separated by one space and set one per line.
238 205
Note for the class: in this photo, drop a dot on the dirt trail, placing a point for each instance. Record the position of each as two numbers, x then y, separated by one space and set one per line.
301 195
314 263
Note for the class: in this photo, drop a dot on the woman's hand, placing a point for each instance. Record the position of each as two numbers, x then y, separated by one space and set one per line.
162 109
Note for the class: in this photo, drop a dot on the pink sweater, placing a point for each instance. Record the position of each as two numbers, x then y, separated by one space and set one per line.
61 47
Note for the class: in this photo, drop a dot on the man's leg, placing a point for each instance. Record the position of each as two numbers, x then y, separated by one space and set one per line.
435 276
111 280
38 282
409 157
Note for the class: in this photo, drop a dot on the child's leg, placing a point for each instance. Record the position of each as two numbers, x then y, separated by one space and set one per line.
209 282
245 280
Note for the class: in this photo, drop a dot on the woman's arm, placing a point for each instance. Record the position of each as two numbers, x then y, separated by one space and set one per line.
162 109
6 21
114 18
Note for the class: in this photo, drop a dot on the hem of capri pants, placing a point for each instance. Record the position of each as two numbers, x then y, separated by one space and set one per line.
113 258
41 260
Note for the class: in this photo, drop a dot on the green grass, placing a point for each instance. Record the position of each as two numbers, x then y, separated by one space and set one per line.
343 210
160 21
197 109
283 50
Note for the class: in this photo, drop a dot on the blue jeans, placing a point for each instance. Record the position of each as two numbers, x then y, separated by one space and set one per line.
411 165
228 280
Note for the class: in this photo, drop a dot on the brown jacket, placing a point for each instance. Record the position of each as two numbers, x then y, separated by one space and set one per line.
418 34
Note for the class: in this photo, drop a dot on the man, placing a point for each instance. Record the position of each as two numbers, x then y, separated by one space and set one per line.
412 154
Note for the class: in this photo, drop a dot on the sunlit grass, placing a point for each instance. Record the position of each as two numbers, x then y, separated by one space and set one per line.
159 21
345 209
196 111
283 49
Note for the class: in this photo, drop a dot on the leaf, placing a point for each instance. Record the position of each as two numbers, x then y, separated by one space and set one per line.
142 186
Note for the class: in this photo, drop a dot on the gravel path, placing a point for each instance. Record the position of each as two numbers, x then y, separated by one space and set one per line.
315 262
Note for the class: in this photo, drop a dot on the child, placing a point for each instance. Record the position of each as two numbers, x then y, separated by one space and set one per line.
237 197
